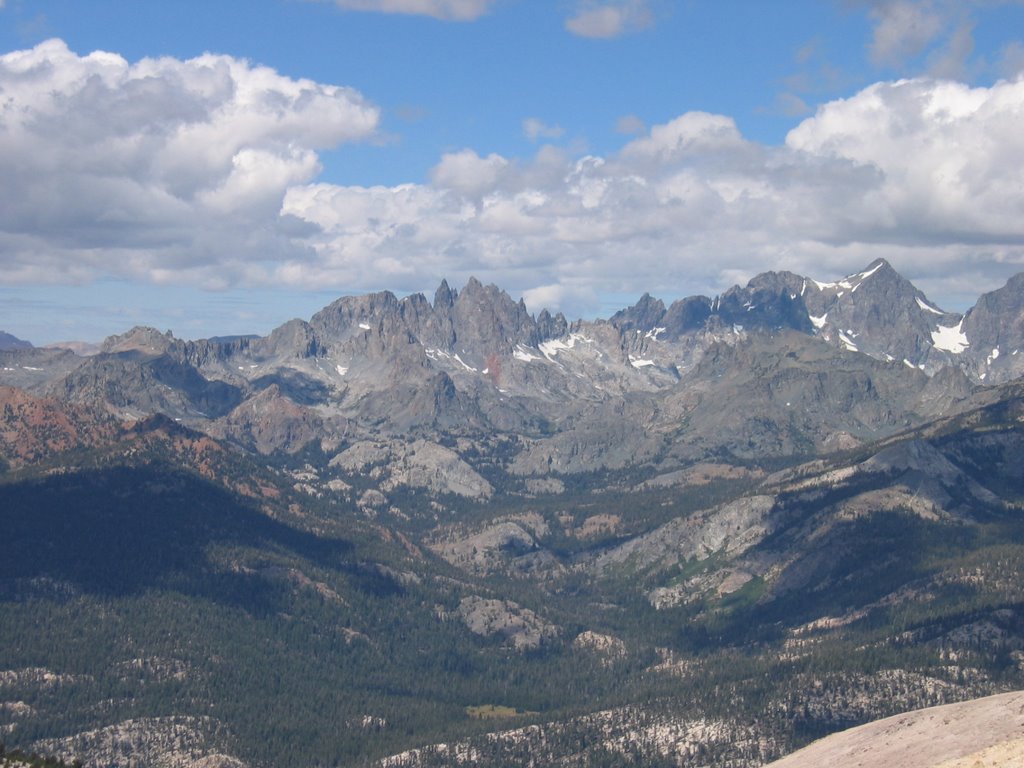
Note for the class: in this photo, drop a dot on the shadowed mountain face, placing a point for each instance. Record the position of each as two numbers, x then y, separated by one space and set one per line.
430 533
7 341
125 530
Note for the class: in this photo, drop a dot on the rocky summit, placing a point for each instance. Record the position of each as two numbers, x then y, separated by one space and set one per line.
419 532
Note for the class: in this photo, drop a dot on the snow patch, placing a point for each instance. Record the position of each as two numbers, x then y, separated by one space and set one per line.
993 356
521 353
653 333
865 275
341 369
464 365
848 342
928 307
639 363
364 326
552 347
30 368
950 339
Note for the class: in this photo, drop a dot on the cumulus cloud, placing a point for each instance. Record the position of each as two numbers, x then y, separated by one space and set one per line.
468 173
923 172
160 168
609 19
447 10
206 171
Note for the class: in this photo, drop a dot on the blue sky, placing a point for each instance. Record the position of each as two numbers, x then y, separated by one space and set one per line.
222 170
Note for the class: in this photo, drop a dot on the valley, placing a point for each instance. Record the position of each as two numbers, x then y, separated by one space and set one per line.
412 532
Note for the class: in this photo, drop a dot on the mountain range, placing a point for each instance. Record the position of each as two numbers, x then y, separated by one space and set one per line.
408 532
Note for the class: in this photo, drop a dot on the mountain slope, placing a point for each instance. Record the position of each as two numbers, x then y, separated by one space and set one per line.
412 532
986 732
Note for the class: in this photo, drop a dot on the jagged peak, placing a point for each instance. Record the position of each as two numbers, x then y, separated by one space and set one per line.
645 314
475 291
444 296
879 264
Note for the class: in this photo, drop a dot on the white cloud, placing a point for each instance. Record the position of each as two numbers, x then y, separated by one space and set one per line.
923 172
158 168
609 19
467 172
534 128
945 155
204 171
448 10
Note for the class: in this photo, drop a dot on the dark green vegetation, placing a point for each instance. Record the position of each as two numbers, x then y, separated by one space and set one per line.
185 596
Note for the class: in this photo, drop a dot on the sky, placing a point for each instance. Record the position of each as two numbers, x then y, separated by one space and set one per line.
217 168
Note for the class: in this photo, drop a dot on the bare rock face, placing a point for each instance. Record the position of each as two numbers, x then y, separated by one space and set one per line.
499 547
994 330
607 648
270 422
730 529
139 384
416 464
985 732
159 742
880 313
142 340
522 628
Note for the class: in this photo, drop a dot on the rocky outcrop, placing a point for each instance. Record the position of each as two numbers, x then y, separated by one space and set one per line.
160 742
519 627
415 464
270 422
985 732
